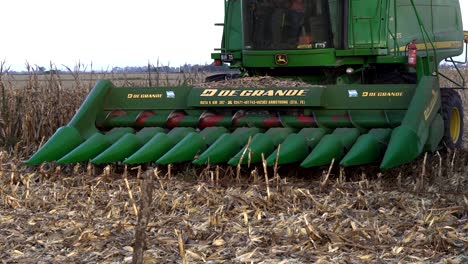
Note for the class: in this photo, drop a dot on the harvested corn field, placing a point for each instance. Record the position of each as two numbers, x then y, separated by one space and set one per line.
416 213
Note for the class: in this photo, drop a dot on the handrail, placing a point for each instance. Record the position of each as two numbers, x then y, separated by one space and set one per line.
396 26
465 34
423 33
393 34
462 86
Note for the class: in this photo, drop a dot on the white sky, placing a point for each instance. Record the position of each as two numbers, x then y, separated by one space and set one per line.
112 32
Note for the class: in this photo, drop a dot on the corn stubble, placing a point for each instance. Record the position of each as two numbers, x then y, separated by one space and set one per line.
180 214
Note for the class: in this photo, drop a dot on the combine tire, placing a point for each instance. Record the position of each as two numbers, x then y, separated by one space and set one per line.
452 110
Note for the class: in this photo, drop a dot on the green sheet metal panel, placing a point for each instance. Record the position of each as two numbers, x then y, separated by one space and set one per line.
295 58
367 24
232 34
146 98
266 97
354 96
447 27
441 19
377 96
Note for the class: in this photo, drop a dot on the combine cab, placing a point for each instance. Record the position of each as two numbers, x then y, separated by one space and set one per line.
354 81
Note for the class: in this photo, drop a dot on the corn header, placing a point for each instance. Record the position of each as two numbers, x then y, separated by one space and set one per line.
355 81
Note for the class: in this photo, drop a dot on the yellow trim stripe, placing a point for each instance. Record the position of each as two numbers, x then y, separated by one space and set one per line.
437 45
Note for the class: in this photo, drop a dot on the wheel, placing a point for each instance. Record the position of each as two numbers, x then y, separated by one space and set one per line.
452 111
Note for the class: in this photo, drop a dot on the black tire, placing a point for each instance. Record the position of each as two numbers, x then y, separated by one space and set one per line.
452 112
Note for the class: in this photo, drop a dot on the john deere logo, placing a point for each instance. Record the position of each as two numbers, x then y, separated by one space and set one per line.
281 59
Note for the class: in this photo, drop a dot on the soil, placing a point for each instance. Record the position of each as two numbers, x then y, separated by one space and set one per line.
415 213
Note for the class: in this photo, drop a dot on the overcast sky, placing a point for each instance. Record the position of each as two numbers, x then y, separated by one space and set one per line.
112 32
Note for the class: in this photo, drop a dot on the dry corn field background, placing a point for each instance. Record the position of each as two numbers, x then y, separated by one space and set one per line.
417 213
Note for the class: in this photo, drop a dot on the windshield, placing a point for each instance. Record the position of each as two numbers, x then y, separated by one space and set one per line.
286 24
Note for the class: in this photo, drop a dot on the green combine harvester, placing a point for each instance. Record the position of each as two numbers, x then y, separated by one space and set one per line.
369 92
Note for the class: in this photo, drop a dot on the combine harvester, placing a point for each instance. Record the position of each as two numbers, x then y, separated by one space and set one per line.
352 81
